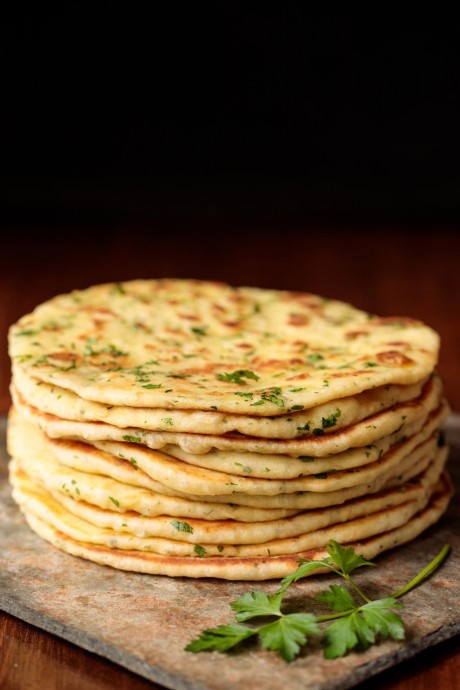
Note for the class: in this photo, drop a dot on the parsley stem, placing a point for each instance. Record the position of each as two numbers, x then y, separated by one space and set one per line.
337 614
426 572
356 588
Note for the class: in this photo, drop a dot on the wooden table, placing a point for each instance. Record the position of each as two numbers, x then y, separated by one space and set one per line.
386 270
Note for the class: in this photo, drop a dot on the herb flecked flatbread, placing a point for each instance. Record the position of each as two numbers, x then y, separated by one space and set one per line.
237 568
226 539
189 428
321 419
362 433
195 345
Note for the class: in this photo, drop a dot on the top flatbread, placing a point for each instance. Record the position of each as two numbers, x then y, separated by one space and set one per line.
203 346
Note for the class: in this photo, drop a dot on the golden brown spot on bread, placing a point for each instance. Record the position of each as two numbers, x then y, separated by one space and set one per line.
142 326
188 317
99 324
98 310
219 307
298 377
393 358
298 320
52 327
63 357
344 374
267 363
206 369
351 335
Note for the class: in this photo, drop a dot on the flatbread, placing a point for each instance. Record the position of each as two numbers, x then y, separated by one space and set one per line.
326 418
364 433
239 568
226 538
191 345
52 464
232 462
190 428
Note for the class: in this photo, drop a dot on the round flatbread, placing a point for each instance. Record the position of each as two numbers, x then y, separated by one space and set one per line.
75 468
364 433
321 419
239 568
226 538
191 345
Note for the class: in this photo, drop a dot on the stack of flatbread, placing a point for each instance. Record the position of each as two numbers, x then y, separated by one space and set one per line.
190 428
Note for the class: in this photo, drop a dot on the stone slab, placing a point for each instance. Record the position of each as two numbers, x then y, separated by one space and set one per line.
143 622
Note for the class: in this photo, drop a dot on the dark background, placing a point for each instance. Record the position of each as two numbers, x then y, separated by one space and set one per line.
233 111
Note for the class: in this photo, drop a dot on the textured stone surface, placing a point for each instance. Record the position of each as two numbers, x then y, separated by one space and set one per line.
143 622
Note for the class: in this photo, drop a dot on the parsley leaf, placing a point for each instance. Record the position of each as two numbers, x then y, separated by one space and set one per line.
132 439
331 420
199 550
362 626
345 558
288 634
199 330
381 619
338 598
346 634
26 333
341 560
253 604
270 395
221 638
314 357
238 376
181 526
273 397
305 568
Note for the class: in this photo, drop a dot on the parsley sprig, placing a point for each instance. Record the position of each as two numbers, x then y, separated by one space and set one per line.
238 376
357 621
